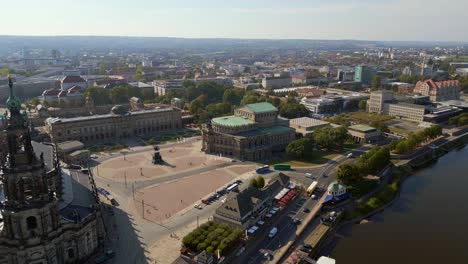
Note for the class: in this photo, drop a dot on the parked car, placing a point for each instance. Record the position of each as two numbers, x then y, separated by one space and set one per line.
296 221
75 167
205 201
198 206
304 249
93 156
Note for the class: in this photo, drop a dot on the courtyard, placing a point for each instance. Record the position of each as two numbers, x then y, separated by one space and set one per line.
139 167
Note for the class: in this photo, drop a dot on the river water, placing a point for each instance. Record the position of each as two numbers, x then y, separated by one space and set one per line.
428 224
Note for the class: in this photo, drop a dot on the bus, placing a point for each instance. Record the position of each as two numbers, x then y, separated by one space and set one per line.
312 188
282 166
262 169
232 187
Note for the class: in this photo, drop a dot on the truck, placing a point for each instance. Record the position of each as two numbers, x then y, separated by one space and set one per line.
273 232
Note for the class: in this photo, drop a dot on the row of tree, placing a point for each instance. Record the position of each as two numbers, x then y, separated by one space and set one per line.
212 237
459 120
413 141
326 137
369 163
117 95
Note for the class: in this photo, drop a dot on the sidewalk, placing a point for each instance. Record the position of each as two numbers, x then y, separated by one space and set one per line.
282 251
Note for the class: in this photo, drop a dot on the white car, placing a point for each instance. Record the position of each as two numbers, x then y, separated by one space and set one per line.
93 156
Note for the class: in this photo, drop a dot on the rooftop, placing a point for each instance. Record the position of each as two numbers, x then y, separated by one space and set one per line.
94 117
362 128
70 145
261 107
307 122
232 121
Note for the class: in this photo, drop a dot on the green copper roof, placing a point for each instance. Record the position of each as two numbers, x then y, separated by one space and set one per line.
261 107
13 103
232 121
362 128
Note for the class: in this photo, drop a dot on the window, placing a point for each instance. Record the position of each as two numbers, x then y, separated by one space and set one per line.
31 222
71 253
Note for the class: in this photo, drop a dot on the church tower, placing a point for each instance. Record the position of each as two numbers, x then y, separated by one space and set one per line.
29 208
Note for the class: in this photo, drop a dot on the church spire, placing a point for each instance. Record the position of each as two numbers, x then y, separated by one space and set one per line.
13 103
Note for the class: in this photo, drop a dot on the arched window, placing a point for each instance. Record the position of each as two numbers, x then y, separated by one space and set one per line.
71 253
31 222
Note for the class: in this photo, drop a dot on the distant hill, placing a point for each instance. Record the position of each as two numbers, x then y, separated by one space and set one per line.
141 43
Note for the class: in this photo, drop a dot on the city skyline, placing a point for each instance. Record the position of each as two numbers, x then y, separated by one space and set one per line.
390 20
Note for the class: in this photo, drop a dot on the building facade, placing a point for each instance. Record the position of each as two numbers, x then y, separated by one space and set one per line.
118 125
69 81
254 132
363 133
250 205
276 82
36 225
383 102
364 74
162 87
439 91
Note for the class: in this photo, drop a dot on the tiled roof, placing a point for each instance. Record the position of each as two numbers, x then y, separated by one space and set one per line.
72 79
51 92
261 107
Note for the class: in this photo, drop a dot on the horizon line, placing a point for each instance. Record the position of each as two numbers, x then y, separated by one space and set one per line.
240 38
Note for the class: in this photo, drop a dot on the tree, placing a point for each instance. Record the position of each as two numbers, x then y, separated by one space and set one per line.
253 183
329 137
260 182
100 96
292 110
376 81
348 173
363 105
300 149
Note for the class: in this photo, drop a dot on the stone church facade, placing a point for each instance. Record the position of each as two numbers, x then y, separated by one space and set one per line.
34 226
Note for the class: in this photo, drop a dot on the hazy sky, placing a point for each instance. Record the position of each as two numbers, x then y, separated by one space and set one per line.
308 19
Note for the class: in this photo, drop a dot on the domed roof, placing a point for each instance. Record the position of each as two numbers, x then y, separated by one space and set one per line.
336 187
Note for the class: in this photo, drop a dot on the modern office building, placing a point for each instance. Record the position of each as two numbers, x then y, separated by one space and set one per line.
254 132
439 91
276 82
364 74
117 125
383 102
40 222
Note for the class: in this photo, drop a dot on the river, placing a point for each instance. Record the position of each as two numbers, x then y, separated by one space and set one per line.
428 223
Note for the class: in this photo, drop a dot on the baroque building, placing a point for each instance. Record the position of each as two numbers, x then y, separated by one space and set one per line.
254 132
119 124
39 223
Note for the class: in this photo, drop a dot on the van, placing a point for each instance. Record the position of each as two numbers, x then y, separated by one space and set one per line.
273 232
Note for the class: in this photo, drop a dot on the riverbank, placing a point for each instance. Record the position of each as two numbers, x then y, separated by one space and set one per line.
401 173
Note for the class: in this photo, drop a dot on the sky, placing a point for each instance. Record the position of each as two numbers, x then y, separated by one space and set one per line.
407 20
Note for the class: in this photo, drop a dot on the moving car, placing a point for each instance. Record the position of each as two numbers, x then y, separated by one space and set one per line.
273 232
306 210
